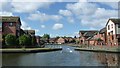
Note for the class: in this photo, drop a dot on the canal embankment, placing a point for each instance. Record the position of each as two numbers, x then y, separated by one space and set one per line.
28 50
99 49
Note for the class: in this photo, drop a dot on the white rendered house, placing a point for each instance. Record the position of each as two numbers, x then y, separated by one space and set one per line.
113 32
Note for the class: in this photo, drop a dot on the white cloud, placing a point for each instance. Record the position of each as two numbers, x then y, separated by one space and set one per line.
44 17
113 5
103 0
91 15
42 26
76 34
65 12
57 26
23 6
37 30
29 6
4 13
82 8
105 13
71 20
4 6
94 23
25 26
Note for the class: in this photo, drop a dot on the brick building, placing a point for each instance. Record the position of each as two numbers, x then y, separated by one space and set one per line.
86 36
11 25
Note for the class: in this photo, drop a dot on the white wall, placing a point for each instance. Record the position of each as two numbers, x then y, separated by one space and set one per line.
111 29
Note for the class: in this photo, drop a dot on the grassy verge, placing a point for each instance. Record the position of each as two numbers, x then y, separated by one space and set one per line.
100 49
28 50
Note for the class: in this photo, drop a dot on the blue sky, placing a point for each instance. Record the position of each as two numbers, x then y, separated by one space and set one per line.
61 18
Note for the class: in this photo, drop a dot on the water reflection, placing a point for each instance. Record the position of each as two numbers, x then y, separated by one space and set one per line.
108 59
66 57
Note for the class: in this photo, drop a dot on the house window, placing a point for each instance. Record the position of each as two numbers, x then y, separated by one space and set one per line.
111 25
108 27
118 25
0 24
118 39
10 24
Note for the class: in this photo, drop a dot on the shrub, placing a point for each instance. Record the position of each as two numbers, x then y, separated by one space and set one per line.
99 39
3 40
33 41
10 39
24 40
17 41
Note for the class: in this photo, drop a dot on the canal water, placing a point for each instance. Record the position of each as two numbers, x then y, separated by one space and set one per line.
66 57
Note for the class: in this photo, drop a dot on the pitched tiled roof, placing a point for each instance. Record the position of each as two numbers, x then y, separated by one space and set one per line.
115 20
29 31
10 19
84 31
89 33
103 30
53 39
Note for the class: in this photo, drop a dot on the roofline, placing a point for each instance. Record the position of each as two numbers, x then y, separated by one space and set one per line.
12 16
111 20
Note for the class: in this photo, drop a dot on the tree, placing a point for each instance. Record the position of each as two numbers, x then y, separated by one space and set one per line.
75 37
99 39
57 37
10 40
46 37
24 40
33 41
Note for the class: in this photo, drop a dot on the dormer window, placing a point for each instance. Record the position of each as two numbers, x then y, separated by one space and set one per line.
11 24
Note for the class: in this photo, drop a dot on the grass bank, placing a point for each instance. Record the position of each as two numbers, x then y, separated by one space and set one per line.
28 50
100 49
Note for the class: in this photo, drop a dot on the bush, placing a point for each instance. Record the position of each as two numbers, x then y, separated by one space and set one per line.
3 40
99 39
10 40
24 40
33 41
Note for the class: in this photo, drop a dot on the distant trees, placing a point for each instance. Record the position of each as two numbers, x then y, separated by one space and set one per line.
46 37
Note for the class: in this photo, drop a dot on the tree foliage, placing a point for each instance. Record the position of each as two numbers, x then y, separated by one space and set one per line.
46 36
24 40
10 39
33 41
99 39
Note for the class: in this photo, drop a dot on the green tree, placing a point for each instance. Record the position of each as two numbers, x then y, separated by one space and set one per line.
25 40
10 40
33 41
57 37
46 37
75 37
99 39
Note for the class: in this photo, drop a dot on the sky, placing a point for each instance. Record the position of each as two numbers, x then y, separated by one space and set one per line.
60 18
